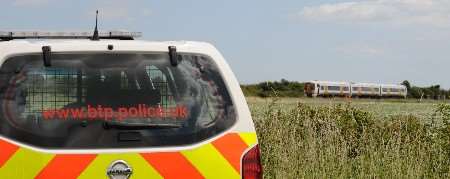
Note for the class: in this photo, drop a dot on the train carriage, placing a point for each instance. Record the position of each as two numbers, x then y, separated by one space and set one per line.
392 90
365 90
327 88
347 89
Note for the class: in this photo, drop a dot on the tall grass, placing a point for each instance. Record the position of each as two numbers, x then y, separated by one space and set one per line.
342 141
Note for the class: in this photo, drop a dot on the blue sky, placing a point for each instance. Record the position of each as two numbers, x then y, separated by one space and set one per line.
384 41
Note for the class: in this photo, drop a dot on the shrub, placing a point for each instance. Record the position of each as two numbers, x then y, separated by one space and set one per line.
342 141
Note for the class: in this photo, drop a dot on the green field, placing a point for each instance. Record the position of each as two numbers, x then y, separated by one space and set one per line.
357 138
381 108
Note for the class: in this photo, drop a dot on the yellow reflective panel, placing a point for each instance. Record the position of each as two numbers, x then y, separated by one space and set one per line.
25 164
141 169
249 138
210 162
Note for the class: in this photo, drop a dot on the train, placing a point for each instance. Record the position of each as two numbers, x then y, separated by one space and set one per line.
350 89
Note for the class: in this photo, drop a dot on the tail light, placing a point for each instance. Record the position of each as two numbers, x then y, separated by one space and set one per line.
251 164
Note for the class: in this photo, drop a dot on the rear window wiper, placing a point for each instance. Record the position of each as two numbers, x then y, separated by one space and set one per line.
137 126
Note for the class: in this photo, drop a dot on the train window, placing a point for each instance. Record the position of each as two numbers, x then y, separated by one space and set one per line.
334 88
345 88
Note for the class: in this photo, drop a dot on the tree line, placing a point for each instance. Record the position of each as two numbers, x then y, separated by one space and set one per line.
285 88
430 92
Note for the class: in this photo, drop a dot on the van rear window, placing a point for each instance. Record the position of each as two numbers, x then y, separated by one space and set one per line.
112 100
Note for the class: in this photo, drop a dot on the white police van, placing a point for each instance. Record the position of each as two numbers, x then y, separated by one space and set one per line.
73 105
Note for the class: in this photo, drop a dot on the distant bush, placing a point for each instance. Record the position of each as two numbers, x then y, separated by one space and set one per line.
283 88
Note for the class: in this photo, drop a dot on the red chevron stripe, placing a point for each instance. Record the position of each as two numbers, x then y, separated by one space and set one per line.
172 165
7 150
67 166
231 146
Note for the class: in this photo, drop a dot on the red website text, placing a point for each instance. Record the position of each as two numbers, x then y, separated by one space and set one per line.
107 113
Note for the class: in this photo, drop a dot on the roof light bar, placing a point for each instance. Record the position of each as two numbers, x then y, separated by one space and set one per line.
122 35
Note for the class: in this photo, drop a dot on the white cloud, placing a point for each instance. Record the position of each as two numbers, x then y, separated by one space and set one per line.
423 12
146 12
360 50
25 3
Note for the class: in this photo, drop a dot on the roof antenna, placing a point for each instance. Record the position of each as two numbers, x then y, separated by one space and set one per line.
96 37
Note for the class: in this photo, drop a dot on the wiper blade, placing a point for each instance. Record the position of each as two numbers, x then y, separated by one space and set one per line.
137 126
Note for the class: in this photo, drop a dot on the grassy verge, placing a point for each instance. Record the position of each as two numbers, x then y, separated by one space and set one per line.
346 141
